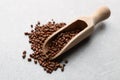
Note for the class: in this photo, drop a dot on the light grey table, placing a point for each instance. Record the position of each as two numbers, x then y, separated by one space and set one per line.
95 59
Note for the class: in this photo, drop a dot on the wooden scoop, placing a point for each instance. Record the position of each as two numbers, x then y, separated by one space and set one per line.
86 23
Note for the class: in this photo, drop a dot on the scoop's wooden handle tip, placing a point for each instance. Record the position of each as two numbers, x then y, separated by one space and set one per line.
105 11
101 14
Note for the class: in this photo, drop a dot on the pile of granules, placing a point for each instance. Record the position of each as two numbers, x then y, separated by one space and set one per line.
37 37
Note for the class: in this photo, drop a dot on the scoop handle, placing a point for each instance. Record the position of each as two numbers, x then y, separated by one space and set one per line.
101 14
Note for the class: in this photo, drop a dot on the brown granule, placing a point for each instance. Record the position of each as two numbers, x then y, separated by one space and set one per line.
29 59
